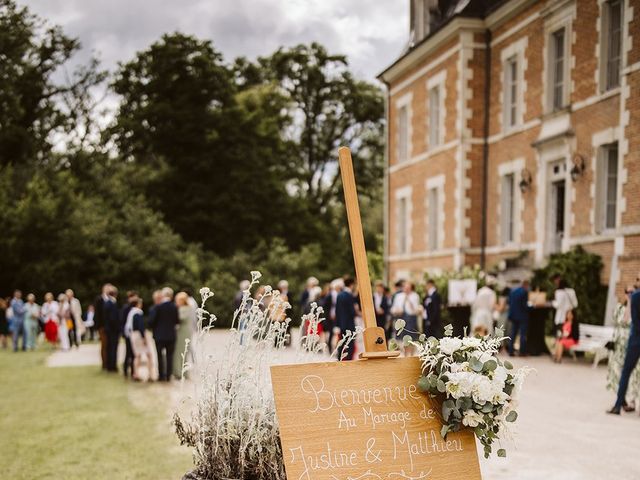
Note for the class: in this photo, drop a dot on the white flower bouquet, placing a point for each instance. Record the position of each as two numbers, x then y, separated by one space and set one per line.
474 387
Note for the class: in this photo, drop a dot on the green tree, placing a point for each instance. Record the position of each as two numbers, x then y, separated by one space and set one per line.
60 237
217 151
328 108
35 105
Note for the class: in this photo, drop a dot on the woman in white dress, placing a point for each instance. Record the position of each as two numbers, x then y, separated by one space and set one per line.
565 300
483 307
64 316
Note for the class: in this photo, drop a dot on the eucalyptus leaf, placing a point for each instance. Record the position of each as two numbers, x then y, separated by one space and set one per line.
490 365
502 453
423 384
512 416
508 365
476 365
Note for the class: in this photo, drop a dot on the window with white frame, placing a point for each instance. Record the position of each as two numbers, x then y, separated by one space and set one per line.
611 44
433 218
607 198
403 225
557 65
510 92
403 133
434 116
507 208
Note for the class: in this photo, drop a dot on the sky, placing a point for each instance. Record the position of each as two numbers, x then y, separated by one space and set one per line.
372 33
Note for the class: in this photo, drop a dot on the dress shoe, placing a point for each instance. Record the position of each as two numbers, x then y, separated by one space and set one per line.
614 411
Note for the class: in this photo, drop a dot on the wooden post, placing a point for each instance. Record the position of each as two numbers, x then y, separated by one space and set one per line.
375 343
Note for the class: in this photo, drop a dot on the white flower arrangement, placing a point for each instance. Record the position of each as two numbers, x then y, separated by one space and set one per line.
475 388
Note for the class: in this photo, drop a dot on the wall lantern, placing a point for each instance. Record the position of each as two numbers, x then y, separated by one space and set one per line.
526 180
578 167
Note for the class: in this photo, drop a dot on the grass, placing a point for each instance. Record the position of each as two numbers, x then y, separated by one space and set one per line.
81 423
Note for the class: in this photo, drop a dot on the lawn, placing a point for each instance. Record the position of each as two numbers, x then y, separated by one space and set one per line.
81 423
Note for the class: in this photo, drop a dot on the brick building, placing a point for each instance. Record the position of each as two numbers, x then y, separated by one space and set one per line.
513 126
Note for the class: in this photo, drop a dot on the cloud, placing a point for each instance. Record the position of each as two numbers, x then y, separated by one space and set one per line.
372 33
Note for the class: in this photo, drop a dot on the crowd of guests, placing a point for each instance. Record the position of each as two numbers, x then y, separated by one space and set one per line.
152 342
342 311
508 309
150 339
61 320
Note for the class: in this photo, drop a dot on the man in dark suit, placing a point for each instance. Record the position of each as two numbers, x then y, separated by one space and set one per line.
346 317
432 304
98 308
632 356
519 316
381 305
112 327
163 320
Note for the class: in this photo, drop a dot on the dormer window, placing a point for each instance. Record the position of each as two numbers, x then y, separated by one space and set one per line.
424 17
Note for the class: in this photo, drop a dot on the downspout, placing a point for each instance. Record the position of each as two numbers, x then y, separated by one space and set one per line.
485 149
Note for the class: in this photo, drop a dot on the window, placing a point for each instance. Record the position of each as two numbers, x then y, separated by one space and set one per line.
511 92
507 208
433 219
424 18
608 197
611 43
557 68
403 134
403 224
434 116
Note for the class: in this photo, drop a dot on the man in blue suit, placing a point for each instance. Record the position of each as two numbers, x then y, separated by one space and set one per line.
112 327
346 316
632 356
519 316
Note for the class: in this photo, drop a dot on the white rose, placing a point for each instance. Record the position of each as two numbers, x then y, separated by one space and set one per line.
500 398
459 367
472 418
471 342
500 375
483 390
449 345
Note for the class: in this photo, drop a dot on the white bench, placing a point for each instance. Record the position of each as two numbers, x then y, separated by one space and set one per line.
594 338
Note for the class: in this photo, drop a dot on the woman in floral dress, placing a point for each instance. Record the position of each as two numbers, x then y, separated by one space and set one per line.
620 338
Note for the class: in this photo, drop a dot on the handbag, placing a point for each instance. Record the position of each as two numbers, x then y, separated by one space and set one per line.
69 324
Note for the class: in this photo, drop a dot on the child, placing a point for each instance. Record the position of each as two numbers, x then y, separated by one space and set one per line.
569 336
142 359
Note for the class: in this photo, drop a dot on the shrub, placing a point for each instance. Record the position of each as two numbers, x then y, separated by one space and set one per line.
233 428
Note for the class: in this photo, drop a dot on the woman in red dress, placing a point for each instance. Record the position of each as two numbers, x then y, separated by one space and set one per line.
570 336
49 314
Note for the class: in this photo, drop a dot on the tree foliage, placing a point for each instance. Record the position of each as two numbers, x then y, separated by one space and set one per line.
36 107
208 169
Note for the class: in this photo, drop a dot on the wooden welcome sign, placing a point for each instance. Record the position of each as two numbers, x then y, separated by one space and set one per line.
365 420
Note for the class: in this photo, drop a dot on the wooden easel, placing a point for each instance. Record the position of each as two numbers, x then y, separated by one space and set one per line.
341 420
375 344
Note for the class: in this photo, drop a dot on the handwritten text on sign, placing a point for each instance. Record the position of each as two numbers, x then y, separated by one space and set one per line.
365 420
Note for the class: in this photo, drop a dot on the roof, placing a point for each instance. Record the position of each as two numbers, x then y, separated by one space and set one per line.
449 10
